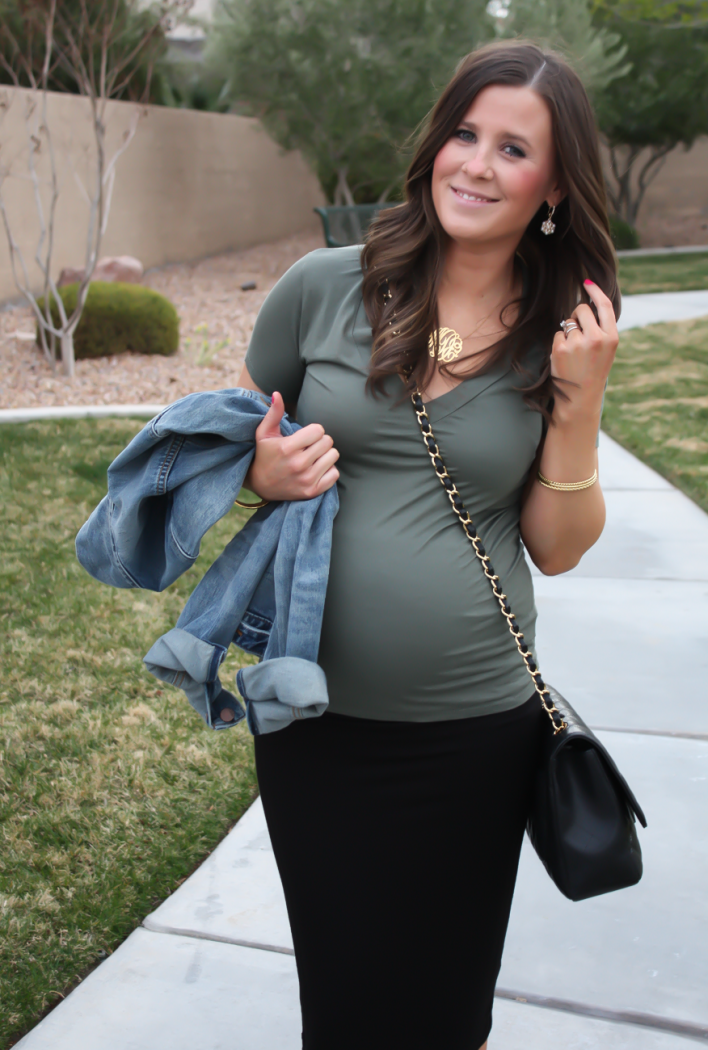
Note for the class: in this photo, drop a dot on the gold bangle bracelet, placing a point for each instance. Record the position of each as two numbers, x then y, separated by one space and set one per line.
252 506
567 486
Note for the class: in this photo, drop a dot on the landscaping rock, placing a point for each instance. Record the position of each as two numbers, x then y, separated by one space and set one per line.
212 310
122 268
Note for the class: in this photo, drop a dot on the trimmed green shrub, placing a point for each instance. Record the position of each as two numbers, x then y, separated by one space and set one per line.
624 236
120 317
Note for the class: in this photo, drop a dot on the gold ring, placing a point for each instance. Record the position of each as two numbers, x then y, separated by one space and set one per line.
252 506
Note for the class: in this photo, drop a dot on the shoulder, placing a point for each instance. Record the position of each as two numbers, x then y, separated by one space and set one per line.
318 282
321 280
327 268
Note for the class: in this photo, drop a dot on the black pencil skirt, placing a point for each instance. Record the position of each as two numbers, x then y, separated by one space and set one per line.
398 845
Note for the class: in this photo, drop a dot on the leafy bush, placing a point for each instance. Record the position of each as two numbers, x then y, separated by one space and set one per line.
624 236
120 317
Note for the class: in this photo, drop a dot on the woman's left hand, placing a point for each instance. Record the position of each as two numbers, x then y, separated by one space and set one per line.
584 358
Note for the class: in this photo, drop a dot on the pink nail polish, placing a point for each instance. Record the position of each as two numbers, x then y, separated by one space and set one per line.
588 282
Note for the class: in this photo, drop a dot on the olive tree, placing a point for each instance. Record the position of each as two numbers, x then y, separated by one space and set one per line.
596 53
663 103
344 81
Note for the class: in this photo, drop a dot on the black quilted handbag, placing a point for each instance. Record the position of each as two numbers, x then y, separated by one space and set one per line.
583 813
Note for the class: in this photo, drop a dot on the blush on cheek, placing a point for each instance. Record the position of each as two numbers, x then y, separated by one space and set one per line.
529 185
529 182
446 161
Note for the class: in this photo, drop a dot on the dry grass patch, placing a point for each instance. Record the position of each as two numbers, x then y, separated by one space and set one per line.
111 788
657 401
664 273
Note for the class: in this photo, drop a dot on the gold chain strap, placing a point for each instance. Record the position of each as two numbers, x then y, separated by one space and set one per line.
471 533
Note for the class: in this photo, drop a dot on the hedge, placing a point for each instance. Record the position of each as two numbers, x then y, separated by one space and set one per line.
624 236
120 317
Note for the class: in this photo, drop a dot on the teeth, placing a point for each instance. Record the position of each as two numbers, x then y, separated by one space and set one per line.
469 197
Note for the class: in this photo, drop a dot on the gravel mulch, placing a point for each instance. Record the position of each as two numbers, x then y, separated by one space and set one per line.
216 321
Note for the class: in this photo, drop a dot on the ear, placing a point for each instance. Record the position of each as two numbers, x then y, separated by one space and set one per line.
556 195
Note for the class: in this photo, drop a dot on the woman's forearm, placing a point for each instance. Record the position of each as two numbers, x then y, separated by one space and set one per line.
559 527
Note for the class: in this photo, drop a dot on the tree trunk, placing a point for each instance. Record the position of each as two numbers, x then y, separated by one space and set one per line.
67 353
630 184
621 196
342 193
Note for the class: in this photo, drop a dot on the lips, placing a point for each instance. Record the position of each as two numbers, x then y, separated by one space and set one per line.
473 198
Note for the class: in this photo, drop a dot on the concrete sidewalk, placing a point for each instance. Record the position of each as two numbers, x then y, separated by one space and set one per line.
624 637
653 308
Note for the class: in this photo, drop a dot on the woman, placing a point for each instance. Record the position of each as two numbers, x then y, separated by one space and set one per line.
397 818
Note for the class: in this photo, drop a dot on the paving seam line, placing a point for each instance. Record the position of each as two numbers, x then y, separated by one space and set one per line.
686 249
686 1029
677 734
682 1028
177 931
52 413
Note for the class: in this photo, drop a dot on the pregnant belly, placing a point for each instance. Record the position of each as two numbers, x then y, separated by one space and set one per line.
411 630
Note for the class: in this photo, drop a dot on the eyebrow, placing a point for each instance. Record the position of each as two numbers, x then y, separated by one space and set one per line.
505 134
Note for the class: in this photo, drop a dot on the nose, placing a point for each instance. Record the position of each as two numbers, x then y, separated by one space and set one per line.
477 167
478 163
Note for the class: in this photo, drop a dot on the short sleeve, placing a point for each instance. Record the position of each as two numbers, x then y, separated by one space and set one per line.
273 357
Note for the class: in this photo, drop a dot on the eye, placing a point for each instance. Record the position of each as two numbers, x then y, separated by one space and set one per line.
465 135
516 151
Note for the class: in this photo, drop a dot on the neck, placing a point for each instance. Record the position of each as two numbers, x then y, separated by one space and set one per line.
484 272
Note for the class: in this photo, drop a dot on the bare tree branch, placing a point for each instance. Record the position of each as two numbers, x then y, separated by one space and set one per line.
93 46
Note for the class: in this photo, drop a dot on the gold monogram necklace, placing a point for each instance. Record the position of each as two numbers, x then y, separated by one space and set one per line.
450 342
449 345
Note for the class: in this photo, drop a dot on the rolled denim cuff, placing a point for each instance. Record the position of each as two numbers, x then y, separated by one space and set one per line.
280 691
191 664
227 700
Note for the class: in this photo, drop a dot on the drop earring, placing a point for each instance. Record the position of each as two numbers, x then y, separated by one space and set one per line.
548 226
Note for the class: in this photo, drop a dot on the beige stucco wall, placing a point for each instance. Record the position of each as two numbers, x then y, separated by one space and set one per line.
193 184
675 208
189 185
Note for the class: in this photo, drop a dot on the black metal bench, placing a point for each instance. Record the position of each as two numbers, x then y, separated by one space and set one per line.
348 223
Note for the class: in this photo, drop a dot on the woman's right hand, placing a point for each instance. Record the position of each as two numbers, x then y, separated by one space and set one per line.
300 466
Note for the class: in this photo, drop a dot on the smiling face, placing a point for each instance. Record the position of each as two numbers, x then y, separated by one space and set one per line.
492 176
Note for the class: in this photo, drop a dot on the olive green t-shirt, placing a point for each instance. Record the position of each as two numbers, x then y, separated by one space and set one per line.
411 631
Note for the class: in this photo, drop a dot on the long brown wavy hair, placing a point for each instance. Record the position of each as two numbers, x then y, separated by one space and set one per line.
405 250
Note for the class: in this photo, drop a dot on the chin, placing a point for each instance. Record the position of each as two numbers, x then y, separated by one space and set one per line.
471 231
484 228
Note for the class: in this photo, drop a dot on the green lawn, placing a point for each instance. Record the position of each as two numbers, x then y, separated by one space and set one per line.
664 273
657 401
111 788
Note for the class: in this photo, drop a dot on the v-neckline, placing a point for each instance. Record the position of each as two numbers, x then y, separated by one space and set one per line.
464 379
444 404
463 392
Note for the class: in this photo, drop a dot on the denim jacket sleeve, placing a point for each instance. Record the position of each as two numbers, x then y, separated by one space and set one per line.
174 480
265 592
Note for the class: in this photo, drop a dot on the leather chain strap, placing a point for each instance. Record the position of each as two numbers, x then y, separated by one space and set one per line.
471 533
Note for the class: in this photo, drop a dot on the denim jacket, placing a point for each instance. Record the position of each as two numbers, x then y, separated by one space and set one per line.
265 592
